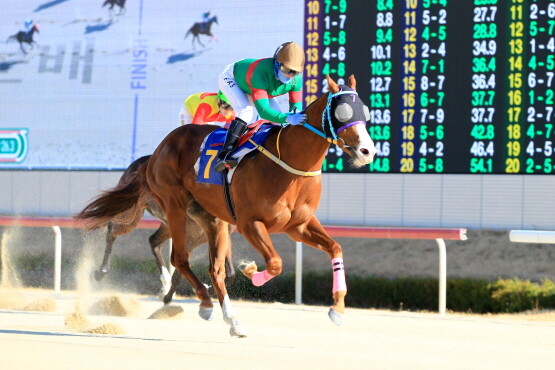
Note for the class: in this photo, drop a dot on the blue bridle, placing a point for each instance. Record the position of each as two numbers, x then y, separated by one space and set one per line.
327 124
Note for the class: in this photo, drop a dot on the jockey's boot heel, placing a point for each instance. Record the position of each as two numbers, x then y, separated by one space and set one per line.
234 132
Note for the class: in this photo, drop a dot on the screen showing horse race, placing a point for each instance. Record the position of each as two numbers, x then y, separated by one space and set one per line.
452 86
95 84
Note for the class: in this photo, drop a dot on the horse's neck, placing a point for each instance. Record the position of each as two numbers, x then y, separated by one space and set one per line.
301 148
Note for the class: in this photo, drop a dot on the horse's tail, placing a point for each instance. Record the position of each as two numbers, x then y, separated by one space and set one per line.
188 32
119 204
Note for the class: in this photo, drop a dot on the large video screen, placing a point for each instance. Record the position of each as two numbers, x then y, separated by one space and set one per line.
95 87
453 86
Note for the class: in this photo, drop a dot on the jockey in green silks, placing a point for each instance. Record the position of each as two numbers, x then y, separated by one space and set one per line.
251 86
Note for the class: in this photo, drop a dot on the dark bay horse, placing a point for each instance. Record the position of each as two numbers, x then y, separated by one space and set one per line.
112 3
25 38
121 224
202 28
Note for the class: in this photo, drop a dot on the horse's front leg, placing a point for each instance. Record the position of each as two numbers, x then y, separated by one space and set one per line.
257 235
219 241
314 235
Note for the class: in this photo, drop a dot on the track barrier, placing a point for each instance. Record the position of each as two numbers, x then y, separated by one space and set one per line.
56 223
437 234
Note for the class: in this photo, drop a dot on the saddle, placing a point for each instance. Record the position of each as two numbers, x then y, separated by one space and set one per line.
256 132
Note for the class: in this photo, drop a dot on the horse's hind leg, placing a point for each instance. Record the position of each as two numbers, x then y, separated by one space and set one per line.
229 269
177 222
315 236
195 238
176 279
112 232
196 37
156 241
110 238
217 232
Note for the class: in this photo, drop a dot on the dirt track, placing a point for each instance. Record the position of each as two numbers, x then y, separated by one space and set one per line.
280 337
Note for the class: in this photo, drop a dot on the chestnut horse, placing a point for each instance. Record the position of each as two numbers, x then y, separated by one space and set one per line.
270 195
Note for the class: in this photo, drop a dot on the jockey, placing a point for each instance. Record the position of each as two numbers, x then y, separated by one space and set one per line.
28 25
205 17
206 108
251 86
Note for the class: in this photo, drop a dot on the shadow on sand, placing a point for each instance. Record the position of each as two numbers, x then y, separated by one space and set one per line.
48 5
98 27
6 66
181 57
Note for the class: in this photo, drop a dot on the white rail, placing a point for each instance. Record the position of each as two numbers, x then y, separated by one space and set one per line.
532 236
438 234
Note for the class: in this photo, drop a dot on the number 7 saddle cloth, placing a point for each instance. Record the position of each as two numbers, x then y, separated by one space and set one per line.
204 168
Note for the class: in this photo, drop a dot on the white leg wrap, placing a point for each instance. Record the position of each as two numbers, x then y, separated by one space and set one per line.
166 279
227 309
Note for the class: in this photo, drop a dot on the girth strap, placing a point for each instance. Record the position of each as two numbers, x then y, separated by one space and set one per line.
227 195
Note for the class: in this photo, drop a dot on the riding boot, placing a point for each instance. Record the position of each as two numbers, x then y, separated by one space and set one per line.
234 132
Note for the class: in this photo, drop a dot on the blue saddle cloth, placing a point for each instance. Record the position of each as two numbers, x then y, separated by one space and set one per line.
213 144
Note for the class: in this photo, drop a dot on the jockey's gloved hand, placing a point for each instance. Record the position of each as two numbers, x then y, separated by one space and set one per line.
296 118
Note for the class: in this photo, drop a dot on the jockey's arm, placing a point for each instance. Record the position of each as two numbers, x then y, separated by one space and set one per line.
295 101
262 104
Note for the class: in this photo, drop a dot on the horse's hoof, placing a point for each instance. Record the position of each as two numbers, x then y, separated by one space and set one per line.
335 317
206 313
248 268
99 275
237 330
167 298
244 264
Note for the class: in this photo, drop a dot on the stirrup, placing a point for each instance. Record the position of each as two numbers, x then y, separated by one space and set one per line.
226 163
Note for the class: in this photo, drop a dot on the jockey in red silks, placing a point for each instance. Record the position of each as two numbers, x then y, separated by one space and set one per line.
206 108
251 86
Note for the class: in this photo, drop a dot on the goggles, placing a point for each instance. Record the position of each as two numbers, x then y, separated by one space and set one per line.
225 106
287 71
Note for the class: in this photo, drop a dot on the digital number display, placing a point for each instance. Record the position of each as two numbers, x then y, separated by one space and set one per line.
452 86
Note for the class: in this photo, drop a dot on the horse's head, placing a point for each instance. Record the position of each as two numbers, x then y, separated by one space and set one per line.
344 119
214 19
35 28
